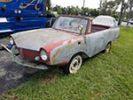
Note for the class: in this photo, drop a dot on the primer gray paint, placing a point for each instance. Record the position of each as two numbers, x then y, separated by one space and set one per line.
90 44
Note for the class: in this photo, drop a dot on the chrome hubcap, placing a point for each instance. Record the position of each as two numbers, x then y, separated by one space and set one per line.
75 64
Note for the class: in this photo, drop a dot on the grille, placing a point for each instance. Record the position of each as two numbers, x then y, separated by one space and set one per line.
28 54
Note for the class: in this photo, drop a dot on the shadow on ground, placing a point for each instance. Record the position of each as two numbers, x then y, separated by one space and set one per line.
12 75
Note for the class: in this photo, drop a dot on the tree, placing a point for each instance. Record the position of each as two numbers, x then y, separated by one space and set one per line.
48 4
83 3
121 11
58 9
108 7
130 2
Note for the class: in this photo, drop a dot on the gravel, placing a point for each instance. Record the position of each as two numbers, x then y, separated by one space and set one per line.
11 74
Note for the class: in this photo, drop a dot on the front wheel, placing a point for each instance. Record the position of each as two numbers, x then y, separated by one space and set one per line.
74 65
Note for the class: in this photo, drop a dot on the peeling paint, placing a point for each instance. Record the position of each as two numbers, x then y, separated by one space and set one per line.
53 60
39 38
60 46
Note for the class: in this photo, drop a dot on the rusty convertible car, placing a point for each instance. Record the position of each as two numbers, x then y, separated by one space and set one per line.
67 43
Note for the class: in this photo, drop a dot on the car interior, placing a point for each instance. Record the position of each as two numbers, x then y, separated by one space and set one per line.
96 28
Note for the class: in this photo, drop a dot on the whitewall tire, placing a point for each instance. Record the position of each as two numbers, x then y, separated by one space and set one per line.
74 65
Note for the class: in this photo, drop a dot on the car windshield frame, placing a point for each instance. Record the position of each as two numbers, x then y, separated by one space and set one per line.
69 30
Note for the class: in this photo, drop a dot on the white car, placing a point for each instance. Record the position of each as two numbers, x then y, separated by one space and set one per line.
131 21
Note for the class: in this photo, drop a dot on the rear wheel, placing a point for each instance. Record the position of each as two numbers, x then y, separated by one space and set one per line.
108 47
74 65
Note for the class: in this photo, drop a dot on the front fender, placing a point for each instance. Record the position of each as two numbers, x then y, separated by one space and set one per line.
63 53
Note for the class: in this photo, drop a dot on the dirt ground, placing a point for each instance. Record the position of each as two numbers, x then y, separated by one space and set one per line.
11 74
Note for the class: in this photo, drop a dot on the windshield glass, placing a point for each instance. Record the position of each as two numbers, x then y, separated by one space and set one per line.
71 24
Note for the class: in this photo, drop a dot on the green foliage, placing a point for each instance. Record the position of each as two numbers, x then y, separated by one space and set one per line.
103 77
71 10
108 7
130 5
48 4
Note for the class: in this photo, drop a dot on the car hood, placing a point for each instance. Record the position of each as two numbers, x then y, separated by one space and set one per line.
36 39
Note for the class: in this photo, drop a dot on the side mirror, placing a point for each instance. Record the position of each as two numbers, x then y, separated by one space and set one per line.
81 28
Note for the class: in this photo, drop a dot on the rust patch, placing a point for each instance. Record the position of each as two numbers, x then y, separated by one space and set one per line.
53 60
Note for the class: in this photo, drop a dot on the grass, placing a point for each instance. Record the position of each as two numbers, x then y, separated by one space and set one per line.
104 77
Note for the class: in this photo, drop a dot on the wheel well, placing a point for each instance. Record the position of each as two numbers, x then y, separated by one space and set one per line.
110 42
82 54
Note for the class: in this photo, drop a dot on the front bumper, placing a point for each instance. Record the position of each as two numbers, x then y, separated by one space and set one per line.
20 61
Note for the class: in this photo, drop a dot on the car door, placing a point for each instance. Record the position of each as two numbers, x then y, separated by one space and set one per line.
95 42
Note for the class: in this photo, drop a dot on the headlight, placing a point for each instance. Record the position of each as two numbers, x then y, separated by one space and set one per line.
43 55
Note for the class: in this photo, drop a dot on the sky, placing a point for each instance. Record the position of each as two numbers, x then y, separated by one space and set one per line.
65 3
